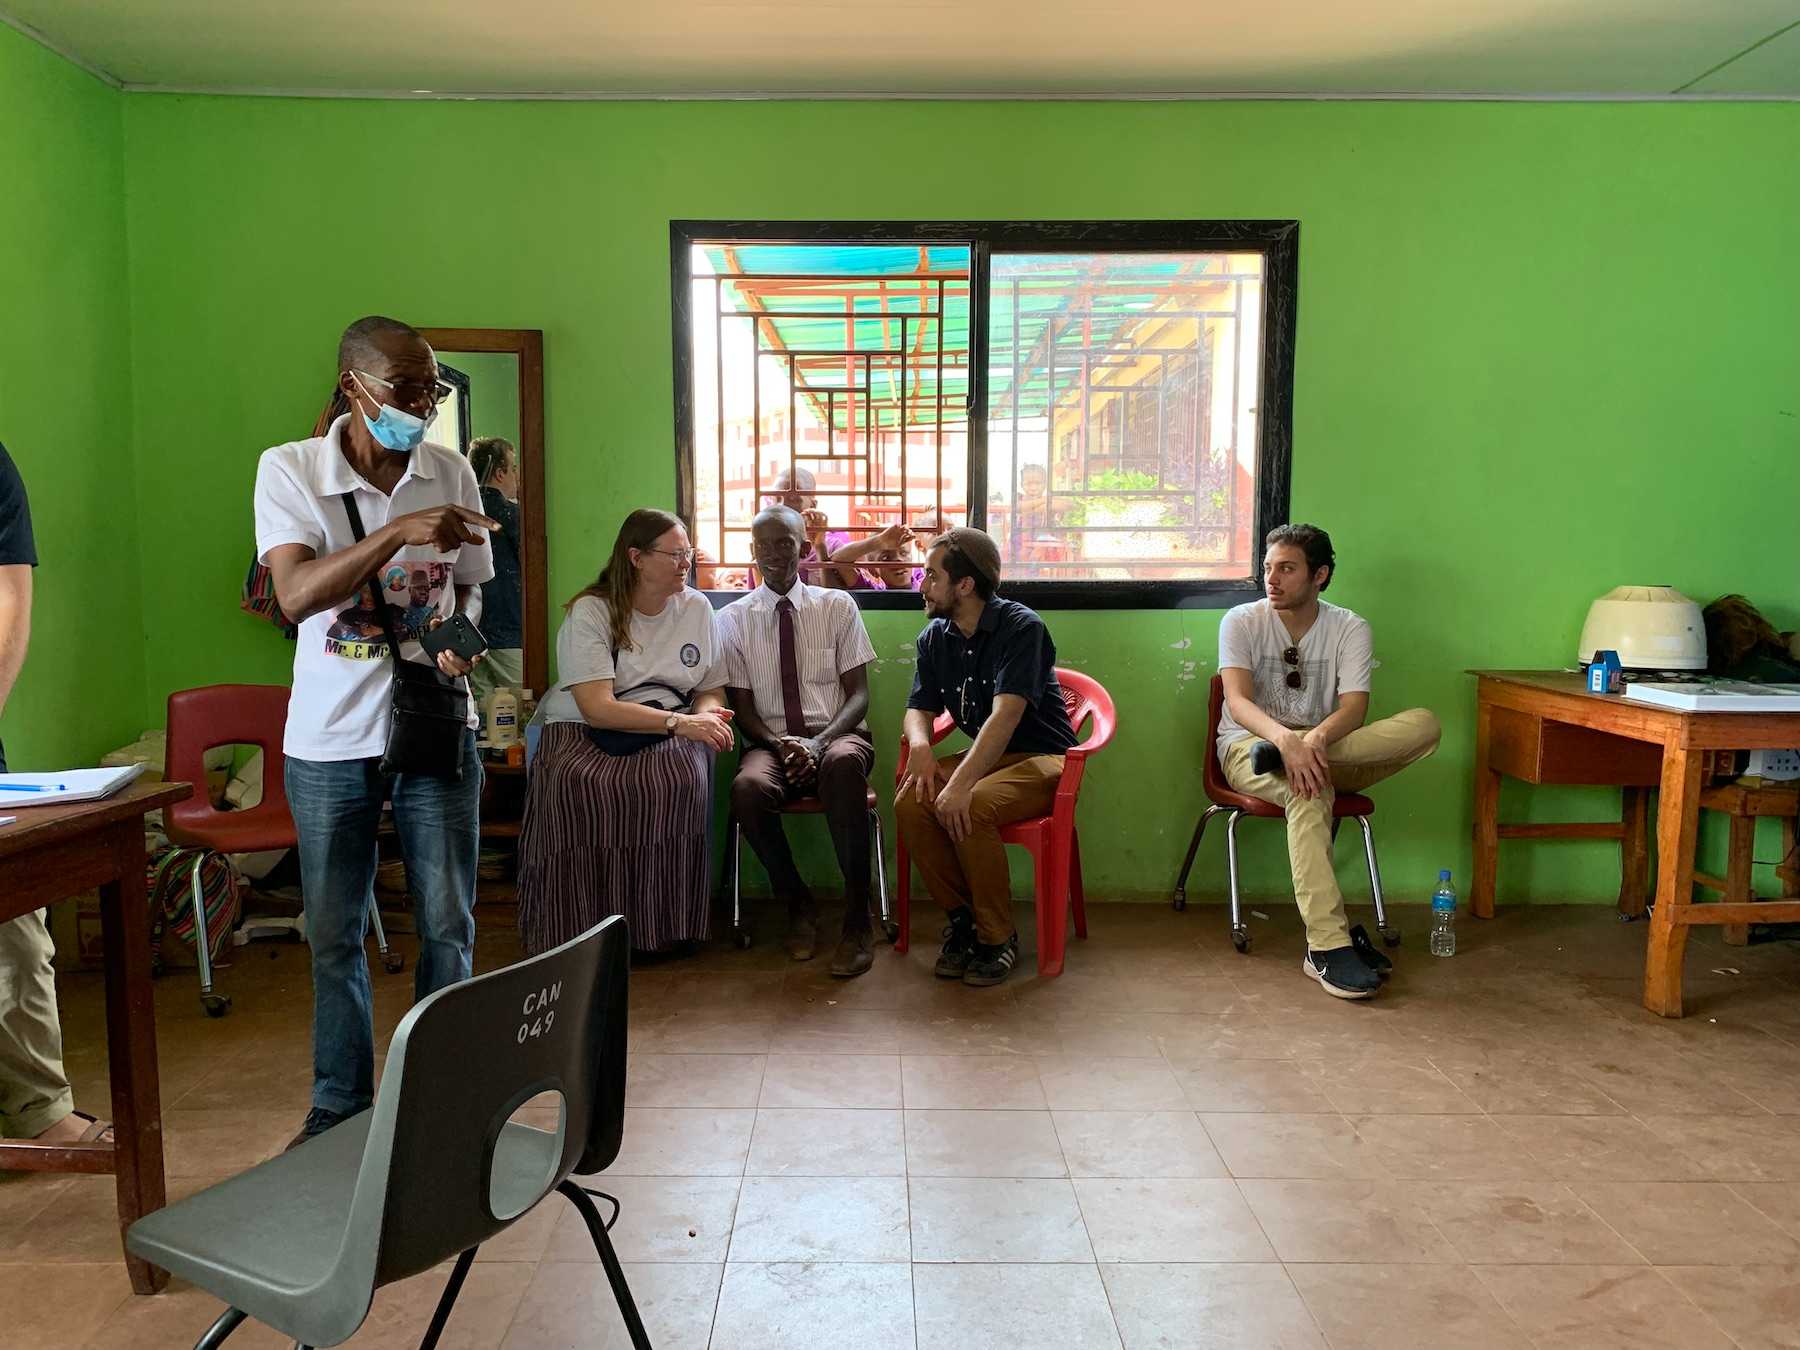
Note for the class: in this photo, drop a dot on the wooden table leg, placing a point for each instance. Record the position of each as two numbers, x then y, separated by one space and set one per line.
131 1044
1487 819
1740 884
1634 851
1677 821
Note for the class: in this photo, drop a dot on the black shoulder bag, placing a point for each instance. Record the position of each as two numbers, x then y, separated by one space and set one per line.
430 711
615 742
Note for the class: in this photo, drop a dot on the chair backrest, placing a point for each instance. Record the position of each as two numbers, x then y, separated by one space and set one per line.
1087 699
1212 776
224 714
462 1061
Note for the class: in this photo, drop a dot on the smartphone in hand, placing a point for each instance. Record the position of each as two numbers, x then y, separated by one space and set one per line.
455 634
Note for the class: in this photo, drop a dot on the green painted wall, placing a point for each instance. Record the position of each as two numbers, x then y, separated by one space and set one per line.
1543 350
65 406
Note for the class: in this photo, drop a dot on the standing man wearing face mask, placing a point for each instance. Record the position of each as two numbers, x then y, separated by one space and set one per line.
423 542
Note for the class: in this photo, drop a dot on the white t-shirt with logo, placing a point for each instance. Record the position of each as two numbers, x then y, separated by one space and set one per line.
1336 657
342 672
678 648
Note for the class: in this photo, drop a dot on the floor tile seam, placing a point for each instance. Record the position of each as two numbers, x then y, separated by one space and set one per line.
1535 1341
1596 1265
1732 1186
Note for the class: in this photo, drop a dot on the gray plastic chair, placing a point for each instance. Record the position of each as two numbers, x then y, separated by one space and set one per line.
435 1168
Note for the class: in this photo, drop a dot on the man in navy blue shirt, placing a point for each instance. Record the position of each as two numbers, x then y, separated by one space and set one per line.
35 1101
991 664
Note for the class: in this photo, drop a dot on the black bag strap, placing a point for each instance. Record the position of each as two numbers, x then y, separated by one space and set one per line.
381 604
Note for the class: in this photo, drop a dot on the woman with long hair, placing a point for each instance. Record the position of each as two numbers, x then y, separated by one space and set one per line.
619 808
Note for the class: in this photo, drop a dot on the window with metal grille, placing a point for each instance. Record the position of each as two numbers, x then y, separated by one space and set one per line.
1112 402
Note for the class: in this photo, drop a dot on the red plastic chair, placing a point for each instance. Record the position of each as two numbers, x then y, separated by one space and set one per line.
1236 805
200 720
1052 841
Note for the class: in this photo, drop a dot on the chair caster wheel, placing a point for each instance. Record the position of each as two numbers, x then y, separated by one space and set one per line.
892 930
393 963
1179 903
1390 937
740 938
216 1005
1241 941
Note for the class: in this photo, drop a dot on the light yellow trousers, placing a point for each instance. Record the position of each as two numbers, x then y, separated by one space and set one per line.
1366 756
34 1093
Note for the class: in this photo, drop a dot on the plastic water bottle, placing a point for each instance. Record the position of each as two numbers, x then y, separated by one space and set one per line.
1443 917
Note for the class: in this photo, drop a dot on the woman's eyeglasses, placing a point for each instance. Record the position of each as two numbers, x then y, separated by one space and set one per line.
682 557
1294 679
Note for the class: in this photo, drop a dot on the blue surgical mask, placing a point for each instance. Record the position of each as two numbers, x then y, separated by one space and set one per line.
396 429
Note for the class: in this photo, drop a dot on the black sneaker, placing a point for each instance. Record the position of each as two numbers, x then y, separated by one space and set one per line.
959 946
1371 955
1265 758
992 962
318 1120
1341 973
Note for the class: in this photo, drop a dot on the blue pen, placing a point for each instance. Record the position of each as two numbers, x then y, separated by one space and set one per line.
32 787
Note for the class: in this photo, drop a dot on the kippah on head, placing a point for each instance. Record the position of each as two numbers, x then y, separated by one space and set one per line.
361 343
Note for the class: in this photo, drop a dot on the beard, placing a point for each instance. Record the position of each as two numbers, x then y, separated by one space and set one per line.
934 610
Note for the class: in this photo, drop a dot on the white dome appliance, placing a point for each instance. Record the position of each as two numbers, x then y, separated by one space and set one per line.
1650 627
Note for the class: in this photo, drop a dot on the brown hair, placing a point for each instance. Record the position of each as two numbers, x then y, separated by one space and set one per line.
489 455
1310 540
642 528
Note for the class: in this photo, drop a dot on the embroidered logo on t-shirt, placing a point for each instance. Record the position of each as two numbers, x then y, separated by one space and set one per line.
690 655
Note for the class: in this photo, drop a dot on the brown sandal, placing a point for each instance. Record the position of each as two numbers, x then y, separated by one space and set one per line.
97 1132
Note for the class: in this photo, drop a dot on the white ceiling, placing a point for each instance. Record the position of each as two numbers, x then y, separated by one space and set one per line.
1144 48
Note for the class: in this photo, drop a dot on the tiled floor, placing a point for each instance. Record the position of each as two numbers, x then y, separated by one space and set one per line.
1170 1146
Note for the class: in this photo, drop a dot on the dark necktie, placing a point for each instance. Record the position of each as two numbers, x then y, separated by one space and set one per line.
791 708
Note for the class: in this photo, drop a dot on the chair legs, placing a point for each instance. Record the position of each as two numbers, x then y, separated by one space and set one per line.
1187 863
216 1005
447 1300
888 925
392 962
228 1322
1077 891
1389 935
1240 931
740 931
734 839
615 1273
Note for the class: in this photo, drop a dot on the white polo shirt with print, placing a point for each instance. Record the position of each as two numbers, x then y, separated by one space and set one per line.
342 672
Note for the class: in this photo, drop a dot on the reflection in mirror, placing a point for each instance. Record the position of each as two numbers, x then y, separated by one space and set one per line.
482 421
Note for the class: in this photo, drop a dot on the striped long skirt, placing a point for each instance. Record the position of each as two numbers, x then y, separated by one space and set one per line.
615 834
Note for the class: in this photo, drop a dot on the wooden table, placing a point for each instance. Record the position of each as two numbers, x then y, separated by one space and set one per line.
49 854
1544 727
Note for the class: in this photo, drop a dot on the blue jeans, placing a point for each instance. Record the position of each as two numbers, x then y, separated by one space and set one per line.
336 807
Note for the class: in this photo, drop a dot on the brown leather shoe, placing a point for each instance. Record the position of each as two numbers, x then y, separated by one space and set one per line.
802 939
854 955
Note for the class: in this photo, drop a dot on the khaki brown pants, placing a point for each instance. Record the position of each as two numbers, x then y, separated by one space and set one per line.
1364 757
974 872
34 1092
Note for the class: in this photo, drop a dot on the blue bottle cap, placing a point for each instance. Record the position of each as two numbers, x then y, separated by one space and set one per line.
1444 875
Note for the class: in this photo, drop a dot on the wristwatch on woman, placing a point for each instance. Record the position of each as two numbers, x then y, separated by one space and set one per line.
670 722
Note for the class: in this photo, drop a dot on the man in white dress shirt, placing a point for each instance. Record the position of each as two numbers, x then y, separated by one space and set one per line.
797 659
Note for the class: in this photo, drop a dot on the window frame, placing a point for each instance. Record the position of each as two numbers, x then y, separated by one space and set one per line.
1277 240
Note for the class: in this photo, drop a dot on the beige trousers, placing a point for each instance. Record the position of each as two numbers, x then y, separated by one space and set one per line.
34 1092
1366 756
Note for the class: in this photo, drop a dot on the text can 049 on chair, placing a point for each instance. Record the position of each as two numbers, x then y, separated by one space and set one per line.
436 1167
1052 841
1236 805
200 720
805 806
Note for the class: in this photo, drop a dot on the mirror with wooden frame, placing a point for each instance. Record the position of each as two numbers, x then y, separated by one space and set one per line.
498 375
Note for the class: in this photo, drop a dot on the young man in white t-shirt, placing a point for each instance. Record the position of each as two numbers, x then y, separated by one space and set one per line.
1296 673
425 551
